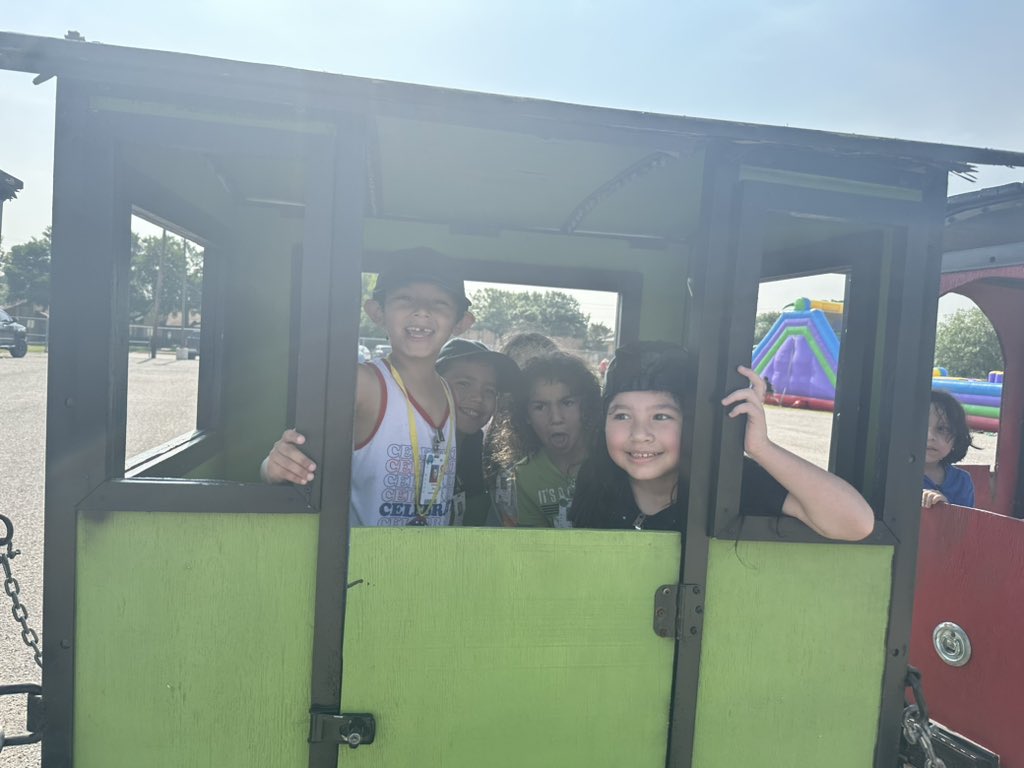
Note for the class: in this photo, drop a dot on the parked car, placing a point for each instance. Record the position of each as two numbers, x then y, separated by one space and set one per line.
382 350
12 335
364 353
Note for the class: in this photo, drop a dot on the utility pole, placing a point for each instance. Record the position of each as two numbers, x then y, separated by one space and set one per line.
184 300
156 295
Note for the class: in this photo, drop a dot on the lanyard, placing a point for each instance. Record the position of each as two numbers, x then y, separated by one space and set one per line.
417 477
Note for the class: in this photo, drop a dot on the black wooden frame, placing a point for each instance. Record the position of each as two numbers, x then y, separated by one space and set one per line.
910 253
87 390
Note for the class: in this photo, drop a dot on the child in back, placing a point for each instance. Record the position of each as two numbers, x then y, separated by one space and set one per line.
948 441
552 418
501 448
403 467
631 478
476 376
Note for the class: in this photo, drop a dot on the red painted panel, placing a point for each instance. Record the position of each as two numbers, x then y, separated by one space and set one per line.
970 570
981 476
952 281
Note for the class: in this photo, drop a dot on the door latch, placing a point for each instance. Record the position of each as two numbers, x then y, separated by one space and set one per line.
353 730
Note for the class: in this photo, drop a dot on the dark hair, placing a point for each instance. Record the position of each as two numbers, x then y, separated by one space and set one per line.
955 417
520 440
523 347
602 487
501 445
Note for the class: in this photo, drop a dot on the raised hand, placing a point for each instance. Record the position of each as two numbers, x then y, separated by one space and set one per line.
749 402
286 463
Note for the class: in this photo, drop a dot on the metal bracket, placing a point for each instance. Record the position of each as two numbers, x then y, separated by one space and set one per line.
679 611
353 730
954 750
34 719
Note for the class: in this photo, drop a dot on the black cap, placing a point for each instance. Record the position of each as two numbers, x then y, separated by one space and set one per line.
467 349
419 265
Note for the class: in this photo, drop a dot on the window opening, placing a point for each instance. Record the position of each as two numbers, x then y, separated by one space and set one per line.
164 329
969 365
581 322
797 337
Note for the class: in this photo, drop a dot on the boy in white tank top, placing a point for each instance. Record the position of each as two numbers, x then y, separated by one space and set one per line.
403 466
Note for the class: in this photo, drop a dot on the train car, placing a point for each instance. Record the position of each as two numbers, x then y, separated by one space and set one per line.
970 573
194 616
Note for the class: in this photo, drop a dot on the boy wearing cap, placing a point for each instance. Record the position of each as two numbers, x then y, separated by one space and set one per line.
475 374
403 465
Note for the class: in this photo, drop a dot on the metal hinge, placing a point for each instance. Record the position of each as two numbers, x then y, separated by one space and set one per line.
353 730
679 611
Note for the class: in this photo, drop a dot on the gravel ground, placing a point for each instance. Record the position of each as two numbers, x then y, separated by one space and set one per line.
161 406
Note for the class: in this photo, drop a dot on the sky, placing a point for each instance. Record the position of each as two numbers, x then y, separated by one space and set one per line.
930 71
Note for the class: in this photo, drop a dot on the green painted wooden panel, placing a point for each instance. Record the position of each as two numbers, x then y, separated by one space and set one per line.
792 654
500 647
193 640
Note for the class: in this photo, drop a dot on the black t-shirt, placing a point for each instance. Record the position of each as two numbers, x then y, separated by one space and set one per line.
761 495
469 465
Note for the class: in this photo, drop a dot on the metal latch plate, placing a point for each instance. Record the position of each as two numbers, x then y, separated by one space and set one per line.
351 729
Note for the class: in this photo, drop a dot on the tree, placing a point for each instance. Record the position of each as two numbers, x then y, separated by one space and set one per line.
554 313
180 272
560 314
495 310
967 345
367 328
599 336
26 269
3 282
763 323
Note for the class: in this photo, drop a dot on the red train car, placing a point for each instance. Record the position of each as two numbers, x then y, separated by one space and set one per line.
968 621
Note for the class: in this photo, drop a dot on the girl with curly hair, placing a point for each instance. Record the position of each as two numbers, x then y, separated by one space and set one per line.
553 417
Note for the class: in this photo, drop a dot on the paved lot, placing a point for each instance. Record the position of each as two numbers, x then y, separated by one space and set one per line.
808 434
162 406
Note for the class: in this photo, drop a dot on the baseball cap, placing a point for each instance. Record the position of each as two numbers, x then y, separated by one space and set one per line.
419 265
467 349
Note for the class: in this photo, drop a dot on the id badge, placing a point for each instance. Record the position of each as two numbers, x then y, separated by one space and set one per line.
505 501
562 518
504 490
430 483
459 508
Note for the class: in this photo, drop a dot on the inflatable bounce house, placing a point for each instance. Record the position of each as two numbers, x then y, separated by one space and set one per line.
798 358
980 399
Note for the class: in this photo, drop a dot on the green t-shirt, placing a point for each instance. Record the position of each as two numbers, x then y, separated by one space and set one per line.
543 493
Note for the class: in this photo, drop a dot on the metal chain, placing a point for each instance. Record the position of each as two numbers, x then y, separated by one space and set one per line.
11 587
916 729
